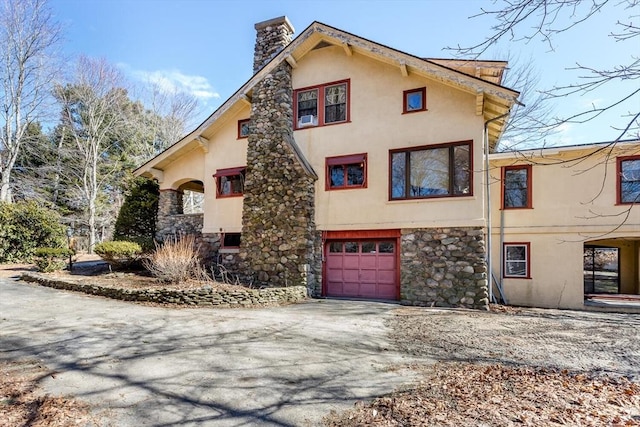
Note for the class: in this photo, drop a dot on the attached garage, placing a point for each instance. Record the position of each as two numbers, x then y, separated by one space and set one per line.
362 264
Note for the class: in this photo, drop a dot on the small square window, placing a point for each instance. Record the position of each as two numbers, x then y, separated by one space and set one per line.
414 100
231 240
230 182
243 128
517 260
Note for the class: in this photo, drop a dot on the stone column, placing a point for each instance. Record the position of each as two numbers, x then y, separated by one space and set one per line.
169 205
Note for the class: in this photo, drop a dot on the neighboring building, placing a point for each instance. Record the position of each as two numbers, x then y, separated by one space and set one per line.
566 223
356 170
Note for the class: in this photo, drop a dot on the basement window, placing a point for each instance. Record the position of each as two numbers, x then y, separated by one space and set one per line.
231 240
230 182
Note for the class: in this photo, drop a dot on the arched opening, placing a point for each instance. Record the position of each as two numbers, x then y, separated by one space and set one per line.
192 197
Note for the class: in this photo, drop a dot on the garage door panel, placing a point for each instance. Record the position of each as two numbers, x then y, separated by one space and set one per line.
367 270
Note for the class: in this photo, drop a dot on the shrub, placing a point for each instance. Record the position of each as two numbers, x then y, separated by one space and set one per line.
25 226
118 253
51 259
136 220
175 260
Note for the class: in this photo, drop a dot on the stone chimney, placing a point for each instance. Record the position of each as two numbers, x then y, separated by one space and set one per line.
279 244
272 36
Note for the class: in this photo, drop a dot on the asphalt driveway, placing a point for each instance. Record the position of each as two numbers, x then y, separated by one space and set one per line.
152 366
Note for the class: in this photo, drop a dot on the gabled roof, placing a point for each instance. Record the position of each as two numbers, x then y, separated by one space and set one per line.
492 100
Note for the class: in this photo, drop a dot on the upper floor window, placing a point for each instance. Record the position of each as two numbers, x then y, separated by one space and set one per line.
346 172
517 262
442 170
322 105
516 187
414 100
628 180
243 128
230 182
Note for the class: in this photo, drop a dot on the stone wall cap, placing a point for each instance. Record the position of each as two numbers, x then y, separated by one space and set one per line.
275 21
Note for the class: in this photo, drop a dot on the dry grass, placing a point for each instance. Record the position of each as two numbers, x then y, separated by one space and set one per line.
176 260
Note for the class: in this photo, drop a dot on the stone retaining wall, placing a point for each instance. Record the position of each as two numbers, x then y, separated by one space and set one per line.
205 296
444 267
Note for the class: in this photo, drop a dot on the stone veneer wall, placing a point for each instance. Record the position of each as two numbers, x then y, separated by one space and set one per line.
205 296
444 267
278 229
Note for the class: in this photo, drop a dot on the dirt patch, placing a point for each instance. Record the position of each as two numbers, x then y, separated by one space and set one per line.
512 366
22 403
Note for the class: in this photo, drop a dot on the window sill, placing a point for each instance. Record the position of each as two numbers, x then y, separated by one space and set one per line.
516 209
415 111
517 277
321 126
465 197
228 196
229 250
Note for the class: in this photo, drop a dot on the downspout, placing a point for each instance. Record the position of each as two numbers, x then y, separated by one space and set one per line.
485 136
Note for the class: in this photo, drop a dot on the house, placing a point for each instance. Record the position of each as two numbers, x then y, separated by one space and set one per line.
566 224
356 170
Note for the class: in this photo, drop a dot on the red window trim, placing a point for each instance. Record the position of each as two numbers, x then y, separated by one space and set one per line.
320 105
428 147
529 186
504 259
223 246
227 172
619 161
405 109
240 123
345 160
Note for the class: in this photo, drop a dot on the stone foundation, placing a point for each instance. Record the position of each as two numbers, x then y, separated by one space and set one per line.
444 267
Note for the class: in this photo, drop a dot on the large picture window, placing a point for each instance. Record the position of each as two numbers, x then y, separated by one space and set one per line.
230 182
517 260
516 187
322 105
431 171
628 179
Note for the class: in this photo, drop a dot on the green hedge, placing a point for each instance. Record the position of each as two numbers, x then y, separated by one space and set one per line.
119 253
51 259
26 226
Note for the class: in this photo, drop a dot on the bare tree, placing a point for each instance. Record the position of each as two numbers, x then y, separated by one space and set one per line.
28 40
92 117
527 20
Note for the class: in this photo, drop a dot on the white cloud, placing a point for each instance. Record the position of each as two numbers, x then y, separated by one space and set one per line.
175 81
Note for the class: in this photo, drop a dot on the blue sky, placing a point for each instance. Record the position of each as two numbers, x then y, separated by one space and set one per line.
205 47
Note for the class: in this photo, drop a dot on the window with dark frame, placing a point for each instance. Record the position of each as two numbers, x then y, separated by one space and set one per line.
442 170
243 128
231 240
414 100
516 187
230 182
628 177
516 260
345 172
601 270
321 105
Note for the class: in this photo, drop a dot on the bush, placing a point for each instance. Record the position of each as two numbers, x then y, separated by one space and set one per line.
118 253
26 226
175 260
136 220
51 259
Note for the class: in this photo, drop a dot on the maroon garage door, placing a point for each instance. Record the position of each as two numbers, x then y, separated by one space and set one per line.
361 268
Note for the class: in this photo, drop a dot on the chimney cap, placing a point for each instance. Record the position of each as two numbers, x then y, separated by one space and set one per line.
275 21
